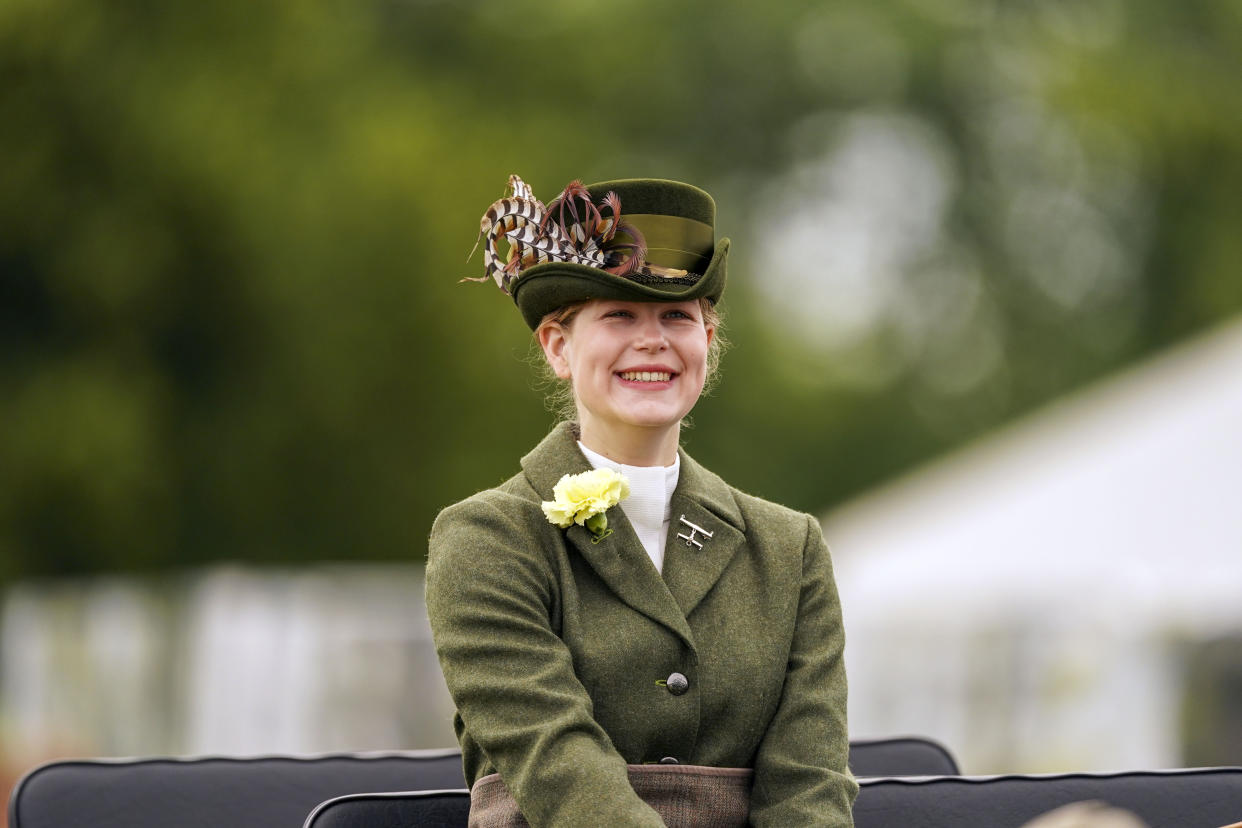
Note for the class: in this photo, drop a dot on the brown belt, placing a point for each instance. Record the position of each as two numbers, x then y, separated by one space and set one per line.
685 796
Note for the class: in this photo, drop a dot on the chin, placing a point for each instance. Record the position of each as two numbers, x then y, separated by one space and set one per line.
656 419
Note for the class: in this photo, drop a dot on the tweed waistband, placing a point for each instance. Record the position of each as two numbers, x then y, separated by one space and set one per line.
685 796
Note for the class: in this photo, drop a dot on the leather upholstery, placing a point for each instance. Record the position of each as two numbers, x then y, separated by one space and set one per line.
425 809
901 756
1191 798
276 791
214 792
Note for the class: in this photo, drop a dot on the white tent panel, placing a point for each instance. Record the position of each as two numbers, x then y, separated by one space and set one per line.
1025 596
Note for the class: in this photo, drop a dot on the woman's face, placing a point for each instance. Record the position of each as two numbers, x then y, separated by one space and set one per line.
633 365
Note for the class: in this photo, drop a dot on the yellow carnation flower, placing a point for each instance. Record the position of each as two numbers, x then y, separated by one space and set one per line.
583 499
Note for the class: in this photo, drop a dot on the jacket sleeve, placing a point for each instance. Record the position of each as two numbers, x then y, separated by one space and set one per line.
801 768
492 593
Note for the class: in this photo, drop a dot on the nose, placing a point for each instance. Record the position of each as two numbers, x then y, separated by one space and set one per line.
650 336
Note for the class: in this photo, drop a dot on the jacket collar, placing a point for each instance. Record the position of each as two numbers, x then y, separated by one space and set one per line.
555 456
701 498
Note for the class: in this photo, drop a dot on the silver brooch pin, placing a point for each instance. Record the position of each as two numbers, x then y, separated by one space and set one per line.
690 539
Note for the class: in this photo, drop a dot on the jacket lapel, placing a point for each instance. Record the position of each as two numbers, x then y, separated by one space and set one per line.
619 559
702 499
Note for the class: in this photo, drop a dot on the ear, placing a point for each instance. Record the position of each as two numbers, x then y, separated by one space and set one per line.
711 333
554 340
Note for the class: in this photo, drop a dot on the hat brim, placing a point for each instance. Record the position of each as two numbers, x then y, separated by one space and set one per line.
547 287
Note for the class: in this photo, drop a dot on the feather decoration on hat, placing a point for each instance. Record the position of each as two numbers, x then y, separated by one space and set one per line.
570 229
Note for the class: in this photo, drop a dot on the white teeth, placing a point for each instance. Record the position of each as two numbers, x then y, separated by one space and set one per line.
646 376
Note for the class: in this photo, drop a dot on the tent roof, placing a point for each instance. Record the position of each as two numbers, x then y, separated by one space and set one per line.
1127 495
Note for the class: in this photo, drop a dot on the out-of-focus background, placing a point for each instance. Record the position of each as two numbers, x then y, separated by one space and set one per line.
986 307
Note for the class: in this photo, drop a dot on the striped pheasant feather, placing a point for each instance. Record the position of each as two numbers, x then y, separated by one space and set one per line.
534 237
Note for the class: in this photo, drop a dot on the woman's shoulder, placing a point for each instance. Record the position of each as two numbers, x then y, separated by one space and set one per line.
510 516
761 519
752 507
512 501
785 534
501 531
779 524
767 510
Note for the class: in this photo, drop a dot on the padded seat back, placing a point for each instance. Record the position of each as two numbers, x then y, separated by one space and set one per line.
425 809
215 792
1191 798
901 756
277 791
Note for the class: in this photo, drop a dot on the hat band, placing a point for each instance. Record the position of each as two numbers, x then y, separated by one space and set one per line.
675 241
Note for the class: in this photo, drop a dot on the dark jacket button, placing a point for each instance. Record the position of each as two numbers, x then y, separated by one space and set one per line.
669 760
677 684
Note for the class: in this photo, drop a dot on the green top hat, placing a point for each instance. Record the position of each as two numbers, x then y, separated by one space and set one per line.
554 261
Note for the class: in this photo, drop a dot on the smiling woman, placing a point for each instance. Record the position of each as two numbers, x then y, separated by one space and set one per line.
628 639
561 397
636 368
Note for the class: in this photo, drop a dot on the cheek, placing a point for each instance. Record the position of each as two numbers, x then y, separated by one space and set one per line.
595 359
696 355
583 370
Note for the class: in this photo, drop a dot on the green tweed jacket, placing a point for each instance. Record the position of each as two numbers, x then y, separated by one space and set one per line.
560 653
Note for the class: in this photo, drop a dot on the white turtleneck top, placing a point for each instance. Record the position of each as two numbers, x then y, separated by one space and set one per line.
647 507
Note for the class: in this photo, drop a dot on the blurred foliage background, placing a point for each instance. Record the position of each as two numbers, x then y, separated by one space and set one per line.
231 235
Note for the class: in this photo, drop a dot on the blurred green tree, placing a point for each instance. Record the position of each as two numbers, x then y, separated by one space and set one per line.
231 235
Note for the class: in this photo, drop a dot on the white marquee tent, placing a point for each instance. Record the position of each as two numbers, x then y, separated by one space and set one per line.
1029 599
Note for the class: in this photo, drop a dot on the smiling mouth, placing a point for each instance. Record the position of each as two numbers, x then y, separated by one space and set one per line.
645 376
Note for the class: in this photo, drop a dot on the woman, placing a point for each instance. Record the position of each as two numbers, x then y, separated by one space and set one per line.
674 654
